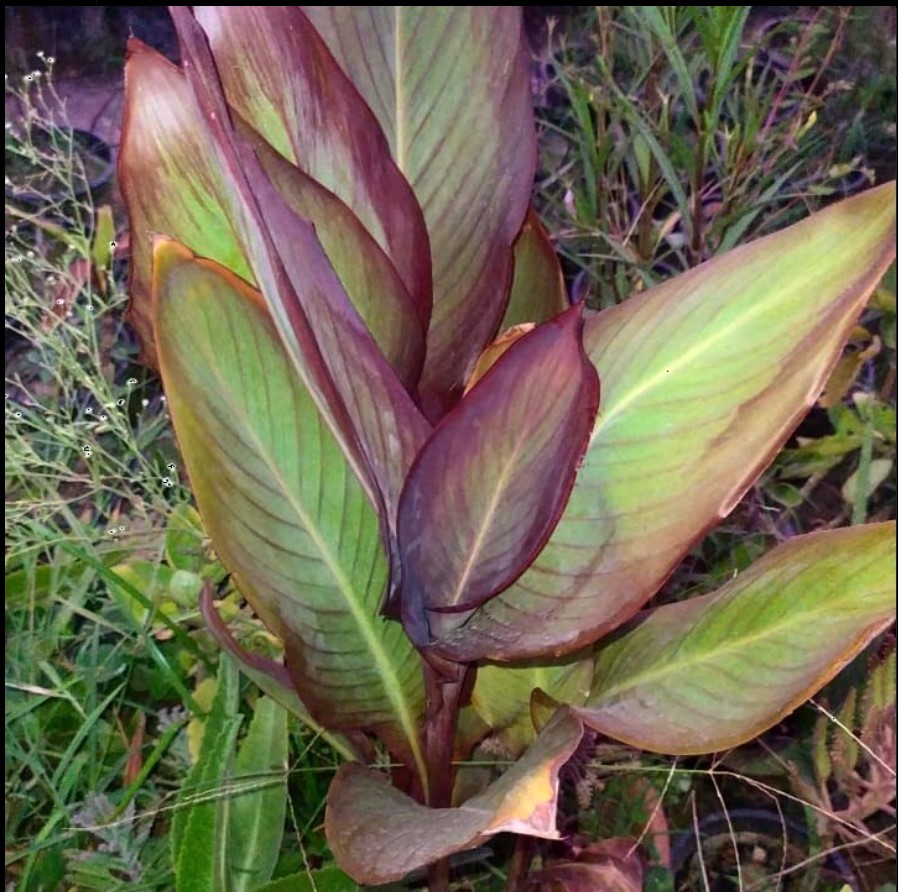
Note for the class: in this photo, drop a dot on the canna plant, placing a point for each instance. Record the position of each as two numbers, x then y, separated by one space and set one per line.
447 491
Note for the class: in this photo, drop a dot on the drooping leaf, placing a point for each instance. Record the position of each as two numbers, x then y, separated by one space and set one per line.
199 831
501 694
486 489
174 184
280 501
450 87
258 807
278 75
366 816
703 379
712 672
538 292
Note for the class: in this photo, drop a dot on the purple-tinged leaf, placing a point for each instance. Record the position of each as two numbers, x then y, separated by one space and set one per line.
485 491
278 76
538 293
327 341
283 505
450 86
174 184
710 673
366 817
703 379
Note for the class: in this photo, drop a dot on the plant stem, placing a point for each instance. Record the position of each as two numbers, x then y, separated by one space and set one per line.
443 684
438 876
520 864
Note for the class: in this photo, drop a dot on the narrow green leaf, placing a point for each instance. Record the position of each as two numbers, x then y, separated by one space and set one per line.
366 816
712 672
703 379
259 803
199 831
281 503
327 879
450 86
485 491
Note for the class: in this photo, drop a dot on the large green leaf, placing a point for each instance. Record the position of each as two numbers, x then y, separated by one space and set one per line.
281 503
703 379
379 834
174 183
279 77
488 486
712 672
450 87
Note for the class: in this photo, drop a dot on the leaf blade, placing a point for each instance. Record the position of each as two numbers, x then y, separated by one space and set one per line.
489 484
311 564
450 88
257 816
750 652
703 379
364 811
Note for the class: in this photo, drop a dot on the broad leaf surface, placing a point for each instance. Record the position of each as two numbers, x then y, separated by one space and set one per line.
712 672
378 834
279 77
538 292
703 379
281 503
487 487
174 184
450 87
502 692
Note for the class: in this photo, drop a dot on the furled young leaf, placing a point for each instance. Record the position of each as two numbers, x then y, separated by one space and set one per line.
538 293
501 694
703 379
199 832
712 672
280 501
174 184
279 77
450 87
258 805
488 486
366 817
